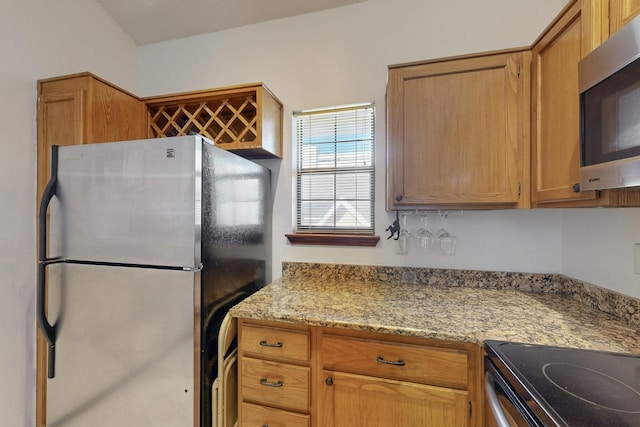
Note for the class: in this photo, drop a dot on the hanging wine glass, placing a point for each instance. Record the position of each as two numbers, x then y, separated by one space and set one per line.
404 238
425 240
447 240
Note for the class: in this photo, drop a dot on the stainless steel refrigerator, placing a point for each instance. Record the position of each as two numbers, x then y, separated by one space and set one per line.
143 247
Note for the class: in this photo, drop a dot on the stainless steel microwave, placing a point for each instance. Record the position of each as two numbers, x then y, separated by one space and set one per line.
609 86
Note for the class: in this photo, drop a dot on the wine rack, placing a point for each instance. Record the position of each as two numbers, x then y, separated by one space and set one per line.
243 119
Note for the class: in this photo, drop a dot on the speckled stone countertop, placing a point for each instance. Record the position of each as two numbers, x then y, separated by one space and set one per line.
439 310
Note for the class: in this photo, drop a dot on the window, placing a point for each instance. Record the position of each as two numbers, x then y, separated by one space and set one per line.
335 170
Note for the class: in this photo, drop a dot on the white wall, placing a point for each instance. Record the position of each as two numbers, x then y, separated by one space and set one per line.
598 247
340 56
40 38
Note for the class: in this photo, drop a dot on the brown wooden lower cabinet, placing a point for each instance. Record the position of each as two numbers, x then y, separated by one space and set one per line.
354 378
275 380
349 400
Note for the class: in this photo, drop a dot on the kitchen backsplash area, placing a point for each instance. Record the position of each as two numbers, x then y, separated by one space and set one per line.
621 306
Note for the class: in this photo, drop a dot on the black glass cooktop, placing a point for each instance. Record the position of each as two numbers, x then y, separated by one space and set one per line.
572 387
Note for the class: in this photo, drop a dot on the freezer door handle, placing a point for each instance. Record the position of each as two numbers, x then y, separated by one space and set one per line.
48 331
49 191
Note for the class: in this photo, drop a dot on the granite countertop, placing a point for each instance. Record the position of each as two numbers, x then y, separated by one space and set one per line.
444 312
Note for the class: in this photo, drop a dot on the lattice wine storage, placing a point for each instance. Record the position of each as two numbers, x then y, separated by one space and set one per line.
244 119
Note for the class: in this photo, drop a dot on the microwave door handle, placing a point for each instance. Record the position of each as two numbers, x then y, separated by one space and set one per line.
494 404
48 331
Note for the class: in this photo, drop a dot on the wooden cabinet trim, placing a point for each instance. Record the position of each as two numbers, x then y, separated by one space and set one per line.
207 93
486 54
85 74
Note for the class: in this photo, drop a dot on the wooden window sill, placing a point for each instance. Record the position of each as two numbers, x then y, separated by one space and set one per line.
328 239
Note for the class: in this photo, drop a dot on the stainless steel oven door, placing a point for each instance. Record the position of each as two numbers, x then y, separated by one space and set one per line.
503 405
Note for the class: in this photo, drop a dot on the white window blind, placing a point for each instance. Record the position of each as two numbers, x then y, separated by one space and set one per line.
335 172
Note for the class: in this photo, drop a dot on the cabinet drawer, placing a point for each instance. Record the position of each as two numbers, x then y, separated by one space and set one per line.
426 365
281 344
259 416
275 384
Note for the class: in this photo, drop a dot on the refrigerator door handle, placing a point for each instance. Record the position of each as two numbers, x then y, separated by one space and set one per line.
48 331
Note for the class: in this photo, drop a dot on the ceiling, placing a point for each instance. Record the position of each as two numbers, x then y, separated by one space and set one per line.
150 21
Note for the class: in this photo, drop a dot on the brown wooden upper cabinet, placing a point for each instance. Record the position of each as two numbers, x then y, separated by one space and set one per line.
72 110
410 386
457 132
84 109
244 119
621 12
555 113
555 130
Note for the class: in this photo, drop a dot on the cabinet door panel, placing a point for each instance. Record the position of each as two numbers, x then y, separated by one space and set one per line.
54 109
621 12
557 131
455 135
361 401
555 126
114 115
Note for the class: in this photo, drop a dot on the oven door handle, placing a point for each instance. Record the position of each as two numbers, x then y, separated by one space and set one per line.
494 404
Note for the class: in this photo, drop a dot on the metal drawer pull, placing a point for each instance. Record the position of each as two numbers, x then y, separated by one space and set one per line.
263 343
399 362
265 382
